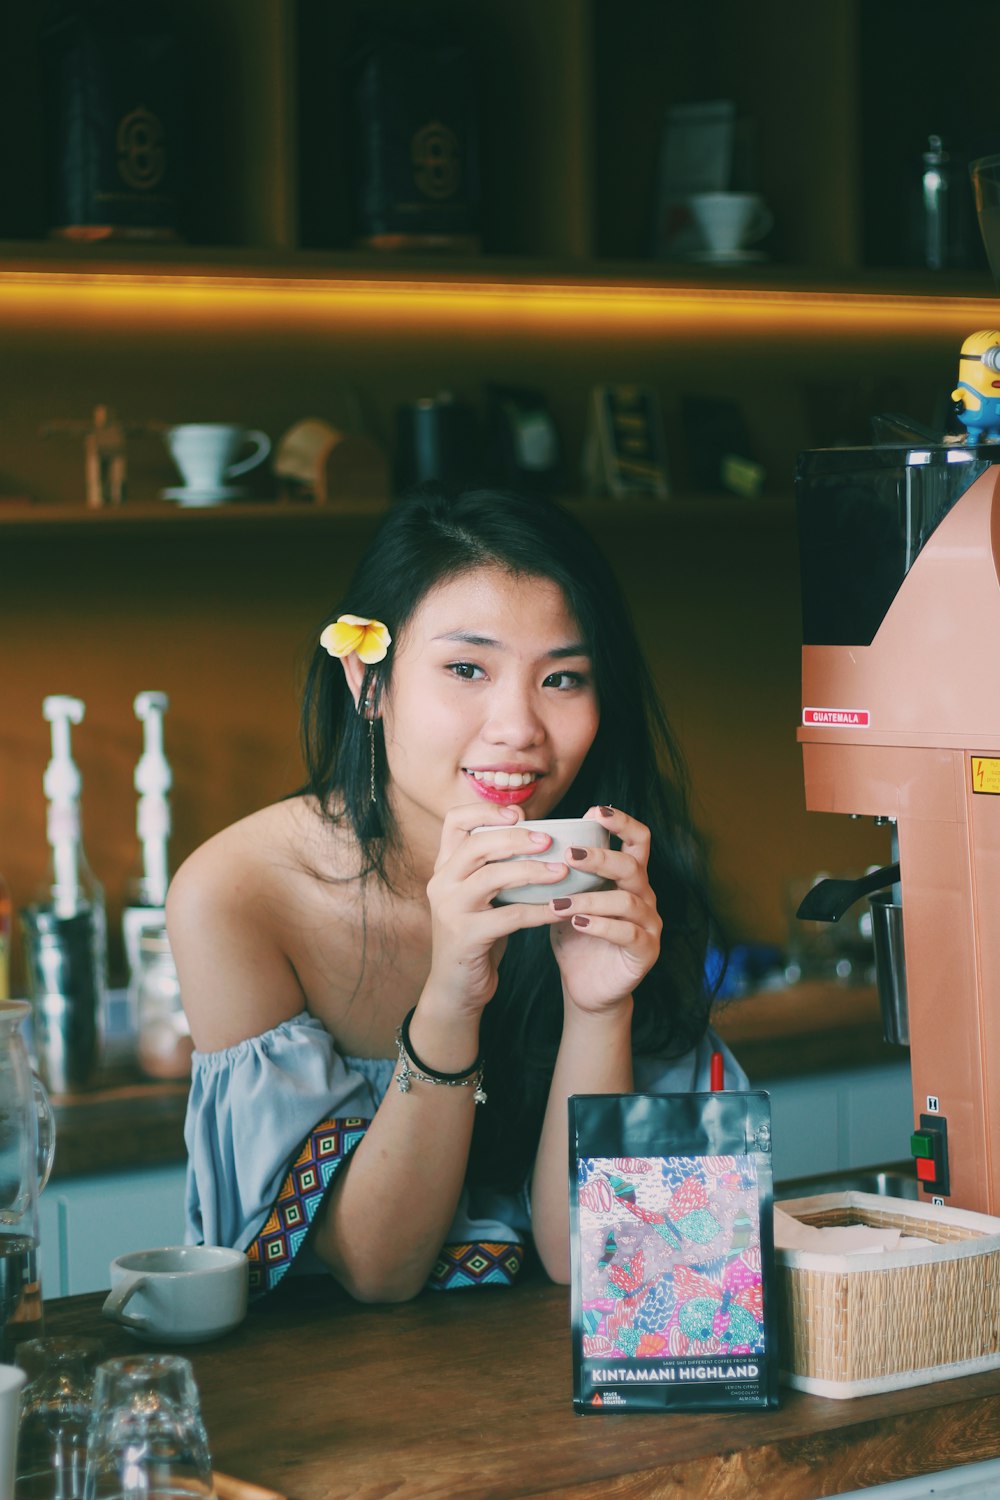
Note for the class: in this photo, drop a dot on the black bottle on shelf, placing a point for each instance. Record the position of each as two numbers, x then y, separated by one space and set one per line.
114 110
941 210
414 136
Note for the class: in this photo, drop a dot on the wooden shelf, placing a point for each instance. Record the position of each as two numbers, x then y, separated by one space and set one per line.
806 1028
684 510
160 514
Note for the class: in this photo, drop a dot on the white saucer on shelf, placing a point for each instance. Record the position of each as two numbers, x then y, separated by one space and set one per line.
727 257
186 496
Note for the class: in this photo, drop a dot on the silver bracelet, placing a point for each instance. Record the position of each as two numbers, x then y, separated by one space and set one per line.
408 1071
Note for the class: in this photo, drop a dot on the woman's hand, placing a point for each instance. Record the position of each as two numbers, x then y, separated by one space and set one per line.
607 941
468 933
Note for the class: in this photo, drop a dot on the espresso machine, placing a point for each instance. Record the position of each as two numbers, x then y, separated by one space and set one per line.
900 563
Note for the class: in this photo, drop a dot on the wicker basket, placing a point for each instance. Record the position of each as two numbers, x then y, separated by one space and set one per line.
855 1324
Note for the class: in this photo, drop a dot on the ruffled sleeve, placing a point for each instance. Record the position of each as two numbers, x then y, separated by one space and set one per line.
269 1122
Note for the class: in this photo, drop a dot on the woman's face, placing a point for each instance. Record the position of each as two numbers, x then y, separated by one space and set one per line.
491 699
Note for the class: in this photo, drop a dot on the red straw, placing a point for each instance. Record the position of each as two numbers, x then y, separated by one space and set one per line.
717 1075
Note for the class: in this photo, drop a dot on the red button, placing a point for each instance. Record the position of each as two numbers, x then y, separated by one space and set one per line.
926 1170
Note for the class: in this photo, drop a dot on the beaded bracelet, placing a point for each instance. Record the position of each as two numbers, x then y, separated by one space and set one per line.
412 1067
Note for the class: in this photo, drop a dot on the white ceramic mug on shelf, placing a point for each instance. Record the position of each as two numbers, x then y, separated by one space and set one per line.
206 452
182 1294
729 221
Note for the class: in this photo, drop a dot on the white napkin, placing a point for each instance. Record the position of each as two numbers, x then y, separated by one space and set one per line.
845 1239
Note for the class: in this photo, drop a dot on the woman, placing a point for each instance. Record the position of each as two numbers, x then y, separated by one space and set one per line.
353 987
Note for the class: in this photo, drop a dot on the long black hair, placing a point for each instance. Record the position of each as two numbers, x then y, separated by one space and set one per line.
632 764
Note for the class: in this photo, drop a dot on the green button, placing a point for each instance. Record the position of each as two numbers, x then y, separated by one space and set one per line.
920 1144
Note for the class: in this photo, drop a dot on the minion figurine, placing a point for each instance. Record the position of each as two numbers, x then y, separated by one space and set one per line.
977 395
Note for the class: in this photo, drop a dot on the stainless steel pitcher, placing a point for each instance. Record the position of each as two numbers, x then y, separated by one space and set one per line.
65 969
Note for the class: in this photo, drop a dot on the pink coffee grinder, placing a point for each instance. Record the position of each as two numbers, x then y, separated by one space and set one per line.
900 562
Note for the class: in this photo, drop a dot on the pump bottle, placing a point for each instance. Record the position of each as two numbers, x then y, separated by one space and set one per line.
65 929
147 893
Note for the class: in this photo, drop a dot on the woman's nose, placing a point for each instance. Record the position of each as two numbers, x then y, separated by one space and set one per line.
514 721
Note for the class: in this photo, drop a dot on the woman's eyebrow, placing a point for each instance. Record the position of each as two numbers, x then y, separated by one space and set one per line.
469 638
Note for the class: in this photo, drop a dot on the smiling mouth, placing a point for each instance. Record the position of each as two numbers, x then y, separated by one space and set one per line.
503 786
503 779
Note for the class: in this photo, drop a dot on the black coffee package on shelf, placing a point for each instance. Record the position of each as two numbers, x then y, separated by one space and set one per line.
115 120
415 137
671 1223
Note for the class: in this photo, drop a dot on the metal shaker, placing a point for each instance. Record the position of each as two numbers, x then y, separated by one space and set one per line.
66 959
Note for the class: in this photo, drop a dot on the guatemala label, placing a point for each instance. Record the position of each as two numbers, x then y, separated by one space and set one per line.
837 718
986 774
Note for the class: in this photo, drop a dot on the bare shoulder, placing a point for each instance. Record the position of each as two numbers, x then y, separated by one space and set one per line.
230 908
233 867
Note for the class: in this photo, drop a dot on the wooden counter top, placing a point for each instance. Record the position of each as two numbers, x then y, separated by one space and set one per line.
125 1121
805 1028
467 1396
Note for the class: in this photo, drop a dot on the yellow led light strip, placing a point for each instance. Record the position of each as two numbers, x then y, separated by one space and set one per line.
586 307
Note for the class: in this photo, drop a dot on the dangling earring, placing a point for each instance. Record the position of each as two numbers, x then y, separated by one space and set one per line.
370 716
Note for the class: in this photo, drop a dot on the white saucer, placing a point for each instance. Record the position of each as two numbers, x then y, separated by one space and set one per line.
727 257
186 496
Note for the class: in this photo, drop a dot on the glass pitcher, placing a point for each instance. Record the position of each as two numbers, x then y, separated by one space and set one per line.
27 1147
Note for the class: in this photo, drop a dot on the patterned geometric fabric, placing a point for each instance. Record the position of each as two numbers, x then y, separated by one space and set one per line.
482 1263
324 1151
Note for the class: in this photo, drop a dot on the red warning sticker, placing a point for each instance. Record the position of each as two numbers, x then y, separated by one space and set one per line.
838 718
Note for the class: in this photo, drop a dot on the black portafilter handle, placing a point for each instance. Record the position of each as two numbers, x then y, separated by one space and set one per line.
827 900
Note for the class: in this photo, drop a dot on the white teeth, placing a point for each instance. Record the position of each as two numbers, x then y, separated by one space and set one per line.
504 778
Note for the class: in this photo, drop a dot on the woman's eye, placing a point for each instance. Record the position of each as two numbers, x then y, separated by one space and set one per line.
564 680
467 670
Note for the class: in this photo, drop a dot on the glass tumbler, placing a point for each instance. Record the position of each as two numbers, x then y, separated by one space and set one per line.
55 1413
27 1144
146 1439
985 175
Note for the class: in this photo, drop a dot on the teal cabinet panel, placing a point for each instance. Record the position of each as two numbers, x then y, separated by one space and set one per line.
831 1122
86 1221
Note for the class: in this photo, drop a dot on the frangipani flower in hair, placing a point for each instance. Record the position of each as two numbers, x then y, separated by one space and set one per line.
368 639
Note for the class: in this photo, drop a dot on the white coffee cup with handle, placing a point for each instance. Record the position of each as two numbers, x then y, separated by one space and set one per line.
565 833
206 453
181 1294
730 221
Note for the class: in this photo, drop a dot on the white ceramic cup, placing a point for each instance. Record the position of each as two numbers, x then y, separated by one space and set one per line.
205 452
565 833
12 1380
728 221
182 1294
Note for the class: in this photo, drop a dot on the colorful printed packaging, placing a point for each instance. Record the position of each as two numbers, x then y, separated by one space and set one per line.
671 1222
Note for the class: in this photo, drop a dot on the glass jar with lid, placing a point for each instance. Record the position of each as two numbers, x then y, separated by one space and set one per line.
164 1040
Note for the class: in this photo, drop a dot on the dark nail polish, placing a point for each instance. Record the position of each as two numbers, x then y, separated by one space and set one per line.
581 921
576 853
606 812
561 903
